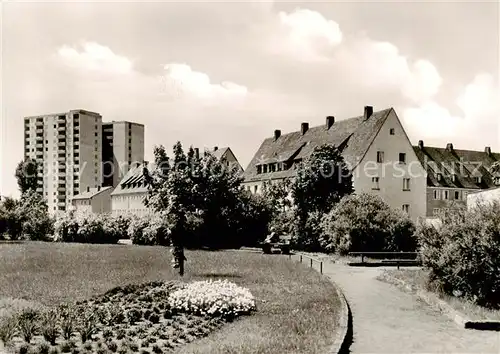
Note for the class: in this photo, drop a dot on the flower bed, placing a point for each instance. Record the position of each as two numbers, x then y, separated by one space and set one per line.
154 317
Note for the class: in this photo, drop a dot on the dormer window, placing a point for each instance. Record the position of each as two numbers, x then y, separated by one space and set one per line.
497 181
259 169
439 176
265 169
454 177
477 179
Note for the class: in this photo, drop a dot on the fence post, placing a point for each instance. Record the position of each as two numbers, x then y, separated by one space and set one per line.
362 258
321 267
311 262
300 258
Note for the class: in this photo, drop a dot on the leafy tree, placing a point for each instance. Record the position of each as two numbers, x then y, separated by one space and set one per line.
278 195
321 181
33 210
26 175
365 222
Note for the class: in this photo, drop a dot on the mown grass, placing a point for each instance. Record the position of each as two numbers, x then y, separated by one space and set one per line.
417 280
297 308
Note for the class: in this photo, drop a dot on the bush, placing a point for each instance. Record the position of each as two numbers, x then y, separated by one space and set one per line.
149 229
88 228
307 238
214 298
28 324
49 326
463 255
8 326
365 222
67 318
87 325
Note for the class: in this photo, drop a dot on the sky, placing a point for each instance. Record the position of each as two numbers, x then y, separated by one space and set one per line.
230 73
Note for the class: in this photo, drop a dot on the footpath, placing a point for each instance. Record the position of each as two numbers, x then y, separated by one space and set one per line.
388 320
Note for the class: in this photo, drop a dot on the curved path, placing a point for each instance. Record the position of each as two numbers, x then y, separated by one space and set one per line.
388 320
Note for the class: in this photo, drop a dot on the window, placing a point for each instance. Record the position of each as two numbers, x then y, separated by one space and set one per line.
437 194
435 211
402 157
259 169
477 179
406 184
255 189
380 156
465 195
406 208
391 131
375 183
265 169
457 195
446 195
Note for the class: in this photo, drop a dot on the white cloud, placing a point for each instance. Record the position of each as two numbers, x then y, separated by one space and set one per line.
305 33
186 82
380 65
95 57
479 103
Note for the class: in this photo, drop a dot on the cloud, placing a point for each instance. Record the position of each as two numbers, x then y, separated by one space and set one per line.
95 57
305 34
186 82
480 109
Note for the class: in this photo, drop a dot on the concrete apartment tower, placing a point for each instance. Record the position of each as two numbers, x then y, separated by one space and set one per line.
68 148
123 146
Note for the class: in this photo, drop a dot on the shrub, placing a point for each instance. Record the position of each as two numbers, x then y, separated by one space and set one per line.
365 222
116 315
307 237
150 229
214 298
156 349
24 348
120 334
54 350
87 325
87 228
463 255
112 346
8 327
49 326
134 315
28 324
67 318
154 318
43 348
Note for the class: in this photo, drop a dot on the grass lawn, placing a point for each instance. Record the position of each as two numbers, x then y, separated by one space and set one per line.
296 307
417 279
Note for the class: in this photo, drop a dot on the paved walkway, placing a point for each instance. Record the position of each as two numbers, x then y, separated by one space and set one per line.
388 320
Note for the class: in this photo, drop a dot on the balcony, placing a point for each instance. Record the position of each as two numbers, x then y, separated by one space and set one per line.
61 189
39 131
61 129
61 144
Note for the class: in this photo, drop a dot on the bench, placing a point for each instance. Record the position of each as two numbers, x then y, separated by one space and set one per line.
392 258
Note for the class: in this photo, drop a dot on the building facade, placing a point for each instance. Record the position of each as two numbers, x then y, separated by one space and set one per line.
93 200
128 196
67 148
122 145
227 157
374 145
454 174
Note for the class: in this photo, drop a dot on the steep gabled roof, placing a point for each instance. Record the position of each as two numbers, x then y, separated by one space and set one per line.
219 152
470 164
352 136
132 182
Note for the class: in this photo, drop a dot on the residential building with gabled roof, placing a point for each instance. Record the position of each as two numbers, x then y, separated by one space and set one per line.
374 145
94 200
453 174
227 157
128 196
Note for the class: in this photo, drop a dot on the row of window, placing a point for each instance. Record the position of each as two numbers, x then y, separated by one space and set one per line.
376 183
449 195
439 211
380 157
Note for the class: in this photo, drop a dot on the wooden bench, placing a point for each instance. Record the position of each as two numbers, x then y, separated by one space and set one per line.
395 258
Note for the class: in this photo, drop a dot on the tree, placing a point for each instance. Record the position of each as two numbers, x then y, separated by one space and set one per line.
321 182
278 195
26 175
170 195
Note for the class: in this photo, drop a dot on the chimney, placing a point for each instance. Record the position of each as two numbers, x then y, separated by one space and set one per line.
449 147
487 150
329 121
216 148
439 177
421 144
88 188
277 134
304 127
368 111
196 153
